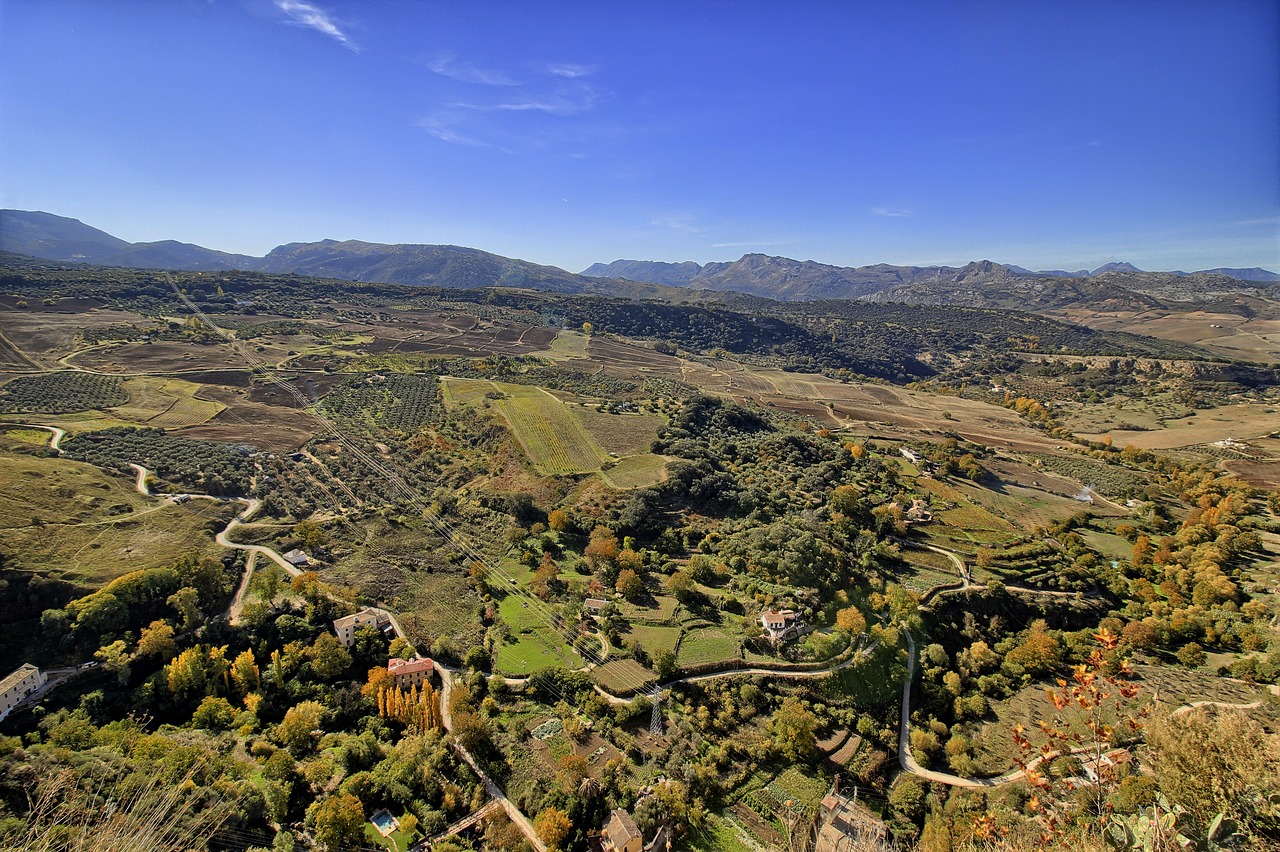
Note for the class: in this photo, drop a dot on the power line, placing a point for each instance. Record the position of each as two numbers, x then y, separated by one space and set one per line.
400 487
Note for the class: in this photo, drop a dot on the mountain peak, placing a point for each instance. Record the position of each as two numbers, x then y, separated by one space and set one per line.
1115 266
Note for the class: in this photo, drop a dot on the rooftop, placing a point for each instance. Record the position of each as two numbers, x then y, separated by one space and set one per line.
398 666
16 677
621 827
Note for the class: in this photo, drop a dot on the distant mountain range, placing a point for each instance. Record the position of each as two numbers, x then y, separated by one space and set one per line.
978 284
794 279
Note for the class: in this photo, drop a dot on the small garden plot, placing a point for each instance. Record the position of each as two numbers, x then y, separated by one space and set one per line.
623 676
652 638
708 645
802 790
921 579
719 834
547 729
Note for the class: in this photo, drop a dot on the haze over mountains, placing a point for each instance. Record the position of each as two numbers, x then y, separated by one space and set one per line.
978 284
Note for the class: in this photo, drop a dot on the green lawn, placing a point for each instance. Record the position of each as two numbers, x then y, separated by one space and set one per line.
653 639
708 645
535 645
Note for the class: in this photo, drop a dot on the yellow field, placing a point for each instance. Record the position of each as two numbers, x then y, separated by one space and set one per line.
552 438
636 472
80 421
566 346
1240 422
165 403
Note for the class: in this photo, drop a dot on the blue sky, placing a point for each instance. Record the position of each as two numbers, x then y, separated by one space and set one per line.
1046 134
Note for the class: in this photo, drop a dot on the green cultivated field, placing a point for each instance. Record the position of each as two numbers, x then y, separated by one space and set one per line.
653 639
708 645
535 646
636 472
553 439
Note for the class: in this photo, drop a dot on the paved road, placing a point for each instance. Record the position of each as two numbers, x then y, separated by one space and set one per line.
55 441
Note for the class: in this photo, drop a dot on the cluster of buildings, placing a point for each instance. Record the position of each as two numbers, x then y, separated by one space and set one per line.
404 673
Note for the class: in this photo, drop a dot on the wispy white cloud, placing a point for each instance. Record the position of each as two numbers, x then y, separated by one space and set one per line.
446 128
681 223
474 114
570 70
569 100
304 14
893 213
448 66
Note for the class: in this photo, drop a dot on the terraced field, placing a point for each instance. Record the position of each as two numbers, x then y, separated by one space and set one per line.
621 676
653 639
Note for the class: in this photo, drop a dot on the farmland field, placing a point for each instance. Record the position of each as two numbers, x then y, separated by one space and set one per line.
624 434
621 676
636 472
707 645
566 346
552 438
535 645
653 639
165 403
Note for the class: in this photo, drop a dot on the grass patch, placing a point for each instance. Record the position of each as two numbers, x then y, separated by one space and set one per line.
654 639
534 645
58 491
622 676
94 553
636 472
565 346
27 437
1108 544
708 645
663 610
